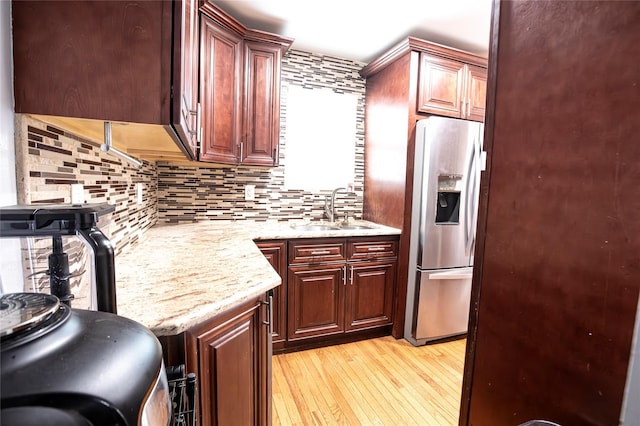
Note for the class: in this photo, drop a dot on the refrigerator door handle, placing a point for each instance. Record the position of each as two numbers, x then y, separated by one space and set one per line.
458 274
476 193
470 192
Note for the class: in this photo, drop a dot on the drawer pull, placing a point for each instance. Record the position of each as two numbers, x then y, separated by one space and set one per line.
315 253
376 249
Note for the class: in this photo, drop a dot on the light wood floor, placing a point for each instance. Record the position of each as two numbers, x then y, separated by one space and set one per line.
381 381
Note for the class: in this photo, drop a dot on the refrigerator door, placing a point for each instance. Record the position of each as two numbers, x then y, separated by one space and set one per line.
443 304
447 167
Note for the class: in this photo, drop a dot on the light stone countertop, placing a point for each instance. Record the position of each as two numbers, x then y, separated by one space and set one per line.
178 276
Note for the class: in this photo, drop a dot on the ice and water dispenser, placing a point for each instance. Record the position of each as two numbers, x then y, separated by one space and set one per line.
448 203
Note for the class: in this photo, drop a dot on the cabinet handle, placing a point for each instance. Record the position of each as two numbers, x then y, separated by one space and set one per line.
376 248
195 112
344 275
269 312
275 156
315 253
468 108
199 123
240 146
351 277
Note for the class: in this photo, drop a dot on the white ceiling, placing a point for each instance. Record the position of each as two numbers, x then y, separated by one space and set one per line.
361 30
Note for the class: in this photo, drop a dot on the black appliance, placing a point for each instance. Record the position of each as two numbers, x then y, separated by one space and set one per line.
70 366
79 366
58 221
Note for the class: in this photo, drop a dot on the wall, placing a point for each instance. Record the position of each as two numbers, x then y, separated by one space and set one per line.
190 193
556 285
9 249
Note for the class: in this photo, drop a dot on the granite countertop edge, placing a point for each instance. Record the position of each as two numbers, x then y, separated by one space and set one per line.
181 275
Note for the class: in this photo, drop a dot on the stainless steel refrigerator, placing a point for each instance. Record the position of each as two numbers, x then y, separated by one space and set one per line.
448 162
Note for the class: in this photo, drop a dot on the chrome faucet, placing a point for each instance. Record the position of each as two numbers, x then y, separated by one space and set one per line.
330 205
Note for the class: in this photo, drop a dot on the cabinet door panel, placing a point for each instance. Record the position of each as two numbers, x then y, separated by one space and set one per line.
316 301
275 252
229 357
440 87
317 250
476 92
262 106
372 248
101 60
221 71
370 295
185 84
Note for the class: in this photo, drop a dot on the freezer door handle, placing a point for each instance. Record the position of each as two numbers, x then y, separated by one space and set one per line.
473 186
451 275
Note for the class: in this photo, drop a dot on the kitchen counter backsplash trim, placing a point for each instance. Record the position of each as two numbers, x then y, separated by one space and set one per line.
182 275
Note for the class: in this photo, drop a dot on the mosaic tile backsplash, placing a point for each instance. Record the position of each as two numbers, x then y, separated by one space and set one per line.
191 193
51 160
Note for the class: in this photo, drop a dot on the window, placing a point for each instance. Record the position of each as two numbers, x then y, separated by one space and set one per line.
320 139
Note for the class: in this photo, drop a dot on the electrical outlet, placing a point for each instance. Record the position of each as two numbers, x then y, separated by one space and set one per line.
77 193
139 192
249 192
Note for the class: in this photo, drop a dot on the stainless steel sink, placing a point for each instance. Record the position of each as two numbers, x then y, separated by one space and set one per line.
355 227
328 227
316 227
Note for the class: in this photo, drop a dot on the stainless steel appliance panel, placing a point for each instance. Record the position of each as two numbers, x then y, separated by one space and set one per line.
447 157
443 303
448 162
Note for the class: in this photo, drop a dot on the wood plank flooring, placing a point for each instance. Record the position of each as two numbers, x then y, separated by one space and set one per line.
381 381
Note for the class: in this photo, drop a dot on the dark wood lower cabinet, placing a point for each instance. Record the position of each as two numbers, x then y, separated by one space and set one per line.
276 254
338 287
333 289
316 301
231 355
370 295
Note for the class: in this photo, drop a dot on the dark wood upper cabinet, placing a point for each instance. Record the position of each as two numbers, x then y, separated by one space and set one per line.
451 88
220 92
121 61
138 63
475 93
240 91
185 111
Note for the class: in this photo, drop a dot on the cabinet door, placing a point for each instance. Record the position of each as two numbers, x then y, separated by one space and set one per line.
315 300
262 104
275 252
184 109
440 86
102 60
475 93
230 374
370 294
221 91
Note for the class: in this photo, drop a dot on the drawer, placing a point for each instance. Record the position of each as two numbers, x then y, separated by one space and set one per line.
363 249
314 251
